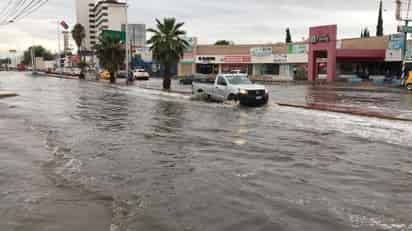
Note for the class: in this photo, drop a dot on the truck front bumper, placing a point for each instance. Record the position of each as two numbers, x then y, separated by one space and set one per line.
253 100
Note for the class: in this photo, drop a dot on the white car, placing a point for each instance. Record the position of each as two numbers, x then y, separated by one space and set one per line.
236 87
141 74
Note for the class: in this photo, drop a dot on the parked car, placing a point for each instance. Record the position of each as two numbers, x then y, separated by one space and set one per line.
233 87
140 74
237 72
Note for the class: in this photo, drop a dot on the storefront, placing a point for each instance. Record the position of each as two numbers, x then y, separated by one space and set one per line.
348 58
321 56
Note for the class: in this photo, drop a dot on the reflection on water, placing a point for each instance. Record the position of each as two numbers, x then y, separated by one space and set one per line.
183 165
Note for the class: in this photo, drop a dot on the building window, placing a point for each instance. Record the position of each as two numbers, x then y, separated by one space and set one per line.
101 22
267 69
207 69
93 42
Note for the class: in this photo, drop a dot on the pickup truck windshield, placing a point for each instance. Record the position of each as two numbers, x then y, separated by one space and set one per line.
237 80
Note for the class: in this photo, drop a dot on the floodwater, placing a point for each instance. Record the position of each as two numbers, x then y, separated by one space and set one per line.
126 158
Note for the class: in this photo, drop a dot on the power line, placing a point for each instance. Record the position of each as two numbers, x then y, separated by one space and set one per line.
21 9
31 10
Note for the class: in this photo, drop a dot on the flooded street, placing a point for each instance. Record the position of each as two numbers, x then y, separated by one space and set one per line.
128 158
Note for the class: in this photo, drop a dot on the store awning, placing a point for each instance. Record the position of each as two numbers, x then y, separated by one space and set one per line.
363 54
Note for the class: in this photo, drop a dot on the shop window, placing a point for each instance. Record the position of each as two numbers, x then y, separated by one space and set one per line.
207 69
267 69
347 68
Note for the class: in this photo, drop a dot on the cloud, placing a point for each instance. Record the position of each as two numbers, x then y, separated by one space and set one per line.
242 21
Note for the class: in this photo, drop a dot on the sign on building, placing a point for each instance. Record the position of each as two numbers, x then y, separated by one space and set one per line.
280 58
261 51
396 41
297 49
115 34
237 59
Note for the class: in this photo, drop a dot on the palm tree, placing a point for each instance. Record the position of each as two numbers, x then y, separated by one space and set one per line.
167 45
79 34
111 54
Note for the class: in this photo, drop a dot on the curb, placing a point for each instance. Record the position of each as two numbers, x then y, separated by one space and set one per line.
365 114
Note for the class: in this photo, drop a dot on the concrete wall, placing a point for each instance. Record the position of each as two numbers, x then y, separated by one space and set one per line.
366 43
185 69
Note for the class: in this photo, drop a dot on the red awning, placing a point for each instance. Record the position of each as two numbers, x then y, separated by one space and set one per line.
366 54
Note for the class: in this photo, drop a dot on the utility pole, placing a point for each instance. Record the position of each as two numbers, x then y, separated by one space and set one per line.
33 61
59 49
127 40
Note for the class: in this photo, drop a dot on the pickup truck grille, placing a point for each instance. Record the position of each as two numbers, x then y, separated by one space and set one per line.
256 92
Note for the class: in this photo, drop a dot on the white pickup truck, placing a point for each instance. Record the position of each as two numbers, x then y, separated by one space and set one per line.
235 87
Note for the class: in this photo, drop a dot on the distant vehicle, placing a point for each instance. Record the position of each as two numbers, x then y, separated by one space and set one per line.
237 72
141 74
105 75
408 81
233 87
122 74
21 67
189 79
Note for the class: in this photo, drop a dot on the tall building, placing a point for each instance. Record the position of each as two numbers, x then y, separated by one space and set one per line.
83 18
66 45
137 35
99 15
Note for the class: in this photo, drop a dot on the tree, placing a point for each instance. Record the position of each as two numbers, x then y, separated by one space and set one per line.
223 43
167 45
379 27
111 54
78 34
39 51
365 33
288 36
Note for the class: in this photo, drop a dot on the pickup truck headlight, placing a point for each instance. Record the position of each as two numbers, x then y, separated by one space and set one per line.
243 92
266 91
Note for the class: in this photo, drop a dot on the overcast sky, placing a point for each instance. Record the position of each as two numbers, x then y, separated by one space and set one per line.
242 21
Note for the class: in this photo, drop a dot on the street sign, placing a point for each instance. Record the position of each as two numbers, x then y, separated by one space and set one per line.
404 29
396 41
115 34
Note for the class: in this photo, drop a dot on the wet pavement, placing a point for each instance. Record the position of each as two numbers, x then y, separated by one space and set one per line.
137 159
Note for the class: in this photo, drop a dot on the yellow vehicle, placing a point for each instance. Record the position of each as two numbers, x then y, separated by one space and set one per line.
408 81
105 75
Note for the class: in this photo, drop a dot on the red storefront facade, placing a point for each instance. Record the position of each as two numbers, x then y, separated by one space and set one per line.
323 45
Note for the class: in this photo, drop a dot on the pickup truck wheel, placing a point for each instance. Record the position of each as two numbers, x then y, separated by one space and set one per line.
232 97
409 87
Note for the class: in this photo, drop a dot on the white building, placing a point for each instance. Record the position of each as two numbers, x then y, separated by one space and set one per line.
99 15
